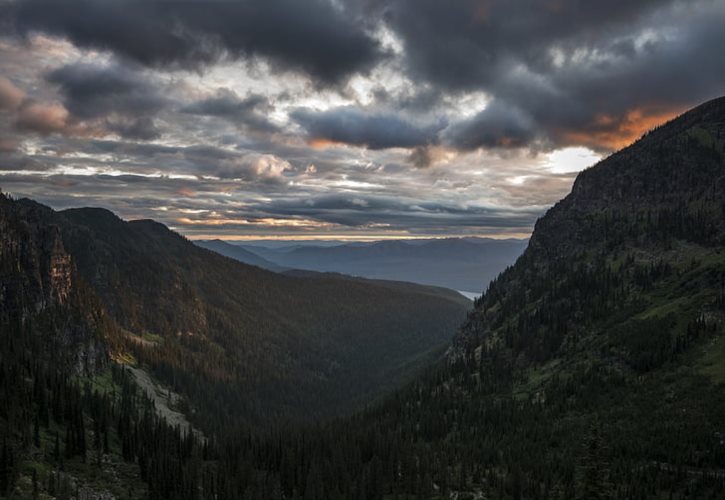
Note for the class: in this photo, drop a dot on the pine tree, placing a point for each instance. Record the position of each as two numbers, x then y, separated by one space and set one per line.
593 481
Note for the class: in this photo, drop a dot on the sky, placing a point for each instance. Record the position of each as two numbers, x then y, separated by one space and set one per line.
348 119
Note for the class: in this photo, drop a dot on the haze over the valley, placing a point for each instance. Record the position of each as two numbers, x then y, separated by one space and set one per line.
466 265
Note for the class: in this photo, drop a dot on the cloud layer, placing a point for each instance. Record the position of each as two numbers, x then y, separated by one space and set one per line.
358 118
311 36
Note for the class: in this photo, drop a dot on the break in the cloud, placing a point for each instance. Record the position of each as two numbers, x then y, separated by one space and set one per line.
250 111
355 118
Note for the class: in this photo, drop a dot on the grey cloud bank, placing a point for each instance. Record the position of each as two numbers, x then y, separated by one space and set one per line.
346 117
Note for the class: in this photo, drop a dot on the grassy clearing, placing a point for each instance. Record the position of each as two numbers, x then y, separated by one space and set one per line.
712 362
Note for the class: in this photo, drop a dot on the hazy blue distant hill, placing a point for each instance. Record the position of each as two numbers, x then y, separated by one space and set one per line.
236 252
466 264
290 244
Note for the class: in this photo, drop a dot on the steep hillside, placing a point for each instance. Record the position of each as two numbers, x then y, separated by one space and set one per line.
456 263
39 283
604 342
241 343
652 211
244 347
595 362
57 423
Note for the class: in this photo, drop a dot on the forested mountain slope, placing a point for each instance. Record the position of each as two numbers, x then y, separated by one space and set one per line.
647 211
593 367
246 348
604 341
240 342
55 334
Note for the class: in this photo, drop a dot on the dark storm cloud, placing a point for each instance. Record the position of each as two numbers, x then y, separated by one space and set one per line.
143 129
461 43
119 99
250 111
92 91
606 102
573 72
497 126
313 36
358 128
513 76
395 213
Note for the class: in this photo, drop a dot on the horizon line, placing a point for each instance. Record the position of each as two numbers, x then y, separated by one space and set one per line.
510 236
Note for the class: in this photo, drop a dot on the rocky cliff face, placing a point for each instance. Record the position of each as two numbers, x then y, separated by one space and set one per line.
38 289
37 270
59 267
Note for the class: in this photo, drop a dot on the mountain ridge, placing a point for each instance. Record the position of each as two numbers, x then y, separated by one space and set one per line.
455 263
239 253
210 315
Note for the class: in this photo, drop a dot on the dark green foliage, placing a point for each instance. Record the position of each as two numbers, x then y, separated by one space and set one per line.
243 343
265 347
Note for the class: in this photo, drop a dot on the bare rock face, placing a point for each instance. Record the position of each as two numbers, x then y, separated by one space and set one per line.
35 269
59 273
37 283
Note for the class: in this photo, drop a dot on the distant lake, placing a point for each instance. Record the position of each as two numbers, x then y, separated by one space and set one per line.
470 295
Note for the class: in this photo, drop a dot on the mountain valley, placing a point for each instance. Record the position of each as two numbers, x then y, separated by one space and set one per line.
593 367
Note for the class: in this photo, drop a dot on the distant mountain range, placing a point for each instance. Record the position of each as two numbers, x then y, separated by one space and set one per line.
464 264
236 252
